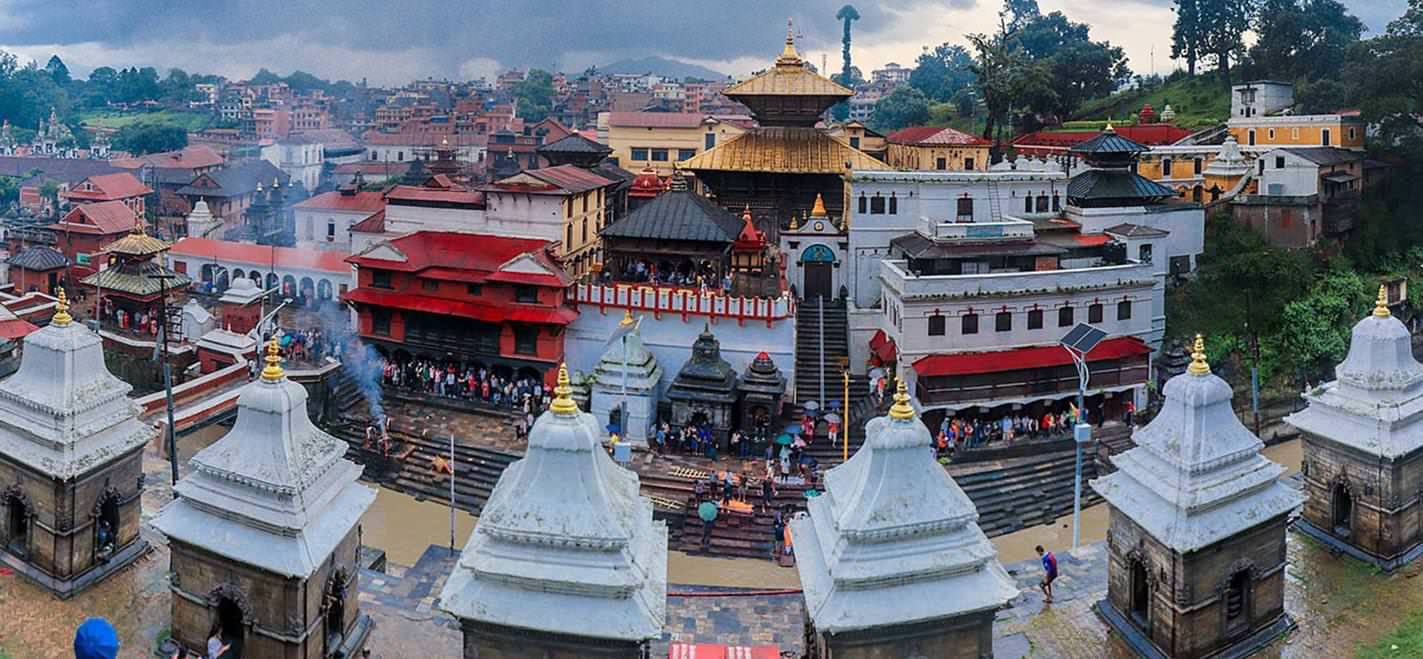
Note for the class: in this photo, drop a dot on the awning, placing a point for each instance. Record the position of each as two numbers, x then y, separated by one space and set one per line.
1069 396
441 306
882 348
14 329
977 363
714 651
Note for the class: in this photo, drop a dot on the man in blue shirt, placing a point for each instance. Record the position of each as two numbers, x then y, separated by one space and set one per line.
1049 572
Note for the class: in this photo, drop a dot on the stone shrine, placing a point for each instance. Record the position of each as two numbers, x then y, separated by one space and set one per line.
704 391
566 560
763 388
891 558
71 461
1363 447
625 384
265 532
1196 537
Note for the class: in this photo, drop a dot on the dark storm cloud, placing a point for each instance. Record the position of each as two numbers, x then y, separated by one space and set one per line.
515 32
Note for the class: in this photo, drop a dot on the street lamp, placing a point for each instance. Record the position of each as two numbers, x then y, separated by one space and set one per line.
1078 342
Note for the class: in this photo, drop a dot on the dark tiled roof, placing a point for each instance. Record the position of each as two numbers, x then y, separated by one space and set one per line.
574 143
1326 155
38 259
678 215
1105 184
1106 143
142 279
238 179
68 170
1137 231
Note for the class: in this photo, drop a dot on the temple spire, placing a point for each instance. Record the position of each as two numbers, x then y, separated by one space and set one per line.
1381 305
819 209
901 410
273 371
1199 365
61 313
563 394
789 54
627 320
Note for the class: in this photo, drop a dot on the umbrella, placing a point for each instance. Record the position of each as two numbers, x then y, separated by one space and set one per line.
784 440
812 493
707 511
834 404
96 639
793 429
876 373
832 417
799 443
811 406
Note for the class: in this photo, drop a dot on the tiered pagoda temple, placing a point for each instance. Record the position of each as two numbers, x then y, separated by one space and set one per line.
1109 181
1363 447
763 388
891 558
1196 537
705 390
677 234
265 532
71 462
133 286
778 167
625 384
566 560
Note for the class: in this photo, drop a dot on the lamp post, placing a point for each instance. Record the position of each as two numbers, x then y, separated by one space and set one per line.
1078 342
845 422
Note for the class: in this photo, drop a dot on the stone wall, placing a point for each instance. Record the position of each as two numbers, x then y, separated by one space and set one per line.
284 616
966 637
1186 593
1387 512
491 642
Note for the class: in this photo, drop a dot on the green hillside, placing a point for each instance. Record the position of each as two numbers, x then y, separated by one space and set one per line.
192 121
1199 102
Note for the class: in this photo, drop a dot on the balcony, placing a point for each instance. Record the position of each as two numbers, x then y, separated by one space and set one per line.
907 286
1008 229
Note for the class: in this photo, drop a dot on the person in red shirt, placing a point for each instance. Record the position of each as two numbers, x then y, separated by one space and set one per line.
1049 572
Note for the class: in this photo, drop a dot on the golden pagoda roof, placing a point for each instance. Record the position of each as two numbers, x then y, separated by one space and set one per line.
789 77
786 150
137 243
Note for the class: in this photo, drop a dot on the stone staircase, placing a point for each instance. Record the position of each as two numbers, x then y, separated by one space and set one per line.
808 345
671 488
1017 493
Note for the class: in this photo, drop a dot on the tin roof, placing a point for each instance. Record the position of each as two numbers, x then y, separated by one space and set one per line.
788 149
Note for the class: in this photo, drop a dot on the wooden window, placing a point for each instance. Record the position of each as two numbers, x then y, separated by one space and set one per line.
474 289
1003 322
1035 319
380 279
429 284
1094 313
936 325
659 155
965 209
941 164
970 323
968 164
526 294
1197 165
864 204
893 204
876 205
380 322
526 340
1042 203
1064 317
1124 310
1165 168
686 154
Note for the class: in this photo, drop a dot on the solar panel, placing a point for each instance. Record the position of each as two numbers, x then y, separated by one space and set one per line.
1083 338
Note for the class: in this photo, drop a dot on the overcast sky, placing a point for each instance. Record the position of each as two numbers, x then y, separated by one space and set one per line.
392 42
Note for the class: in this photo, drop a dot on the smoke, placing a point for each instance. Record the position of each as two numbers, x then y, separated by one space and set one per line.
360 362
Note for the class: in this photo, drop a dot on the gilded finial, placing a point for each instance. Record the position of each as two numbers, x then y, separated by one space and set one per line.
627 320
795 223
1199 366
563 394
1381 306
1109 128
789 54
259 186
276 183
819 209
61 310
901 410
273 372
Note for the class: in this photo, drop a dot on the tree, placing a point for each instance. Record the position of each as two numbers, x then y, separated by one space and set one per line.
534 95
907 106
846 15
1222 29
1315 329
57 70
1186 34
1081 68
149 138
943 72
1019 13
1306 39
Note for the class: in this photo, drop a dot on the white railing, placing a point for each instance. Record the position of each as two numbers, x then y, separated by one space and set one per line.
658 300
894 276
1009 229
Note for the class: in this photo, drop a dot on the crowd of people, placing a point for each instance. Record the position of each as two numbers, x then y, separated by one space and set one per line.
960 433
647 272
467 382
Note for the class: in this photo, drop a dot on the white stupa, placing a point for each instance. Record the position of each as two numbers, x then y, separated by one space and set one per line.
1196 475
62 413
565 546
1229 162
627 372
275 492
893 540
201 221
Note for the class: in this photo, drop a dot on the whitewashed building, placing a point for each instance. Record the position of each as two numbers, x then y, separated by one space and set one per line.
324 222
299 156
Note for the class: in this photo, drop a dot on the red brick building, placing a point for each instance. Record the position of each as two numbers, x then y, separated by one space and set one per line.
470 299
87 229
121 187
